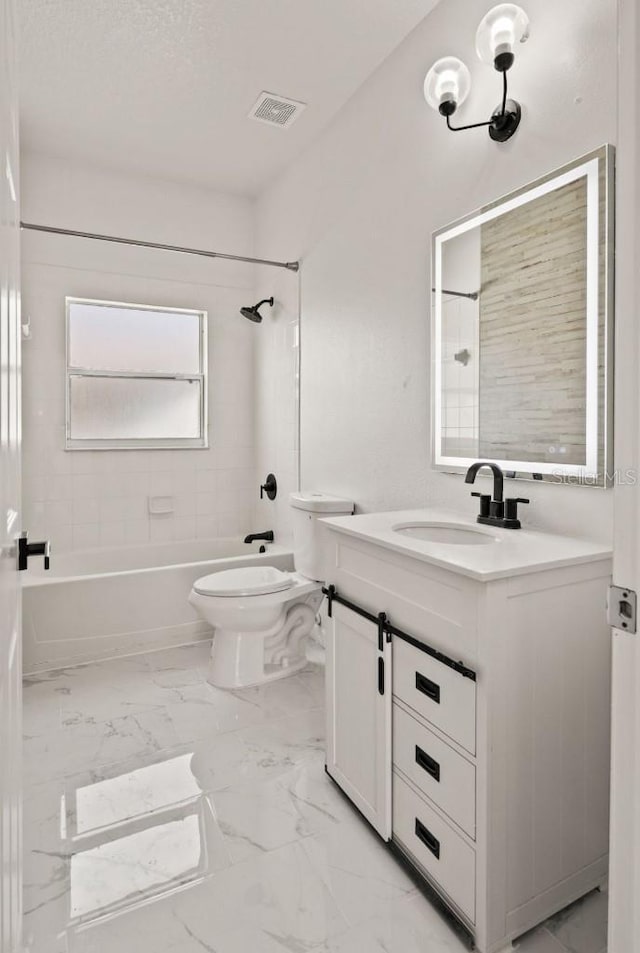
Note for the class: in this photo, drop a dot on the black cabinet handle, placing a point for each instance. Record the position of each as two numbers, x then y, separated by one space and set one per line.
429 764
381 676
428 688
430 842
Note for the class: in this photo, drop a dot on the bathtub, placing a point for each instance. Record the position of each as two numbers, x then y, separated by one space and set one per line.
104 603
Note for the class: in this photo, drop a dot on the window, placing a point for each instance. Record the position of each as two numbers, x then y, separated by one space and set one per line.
136 376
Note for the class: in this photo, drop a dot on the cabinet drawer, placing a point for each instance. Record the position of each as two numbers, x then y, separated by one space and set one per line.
447 778
448 860
437 692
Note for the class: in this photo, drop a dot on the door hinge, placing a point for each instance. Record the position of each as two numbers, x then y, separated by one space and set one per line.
622 608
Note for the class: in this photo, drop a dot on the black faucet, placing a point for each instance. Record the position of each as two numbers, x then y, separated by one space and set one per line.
266 536
496 511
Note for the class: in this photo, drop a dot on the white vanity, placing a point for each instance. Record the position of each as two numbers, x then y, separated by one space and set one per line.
468 708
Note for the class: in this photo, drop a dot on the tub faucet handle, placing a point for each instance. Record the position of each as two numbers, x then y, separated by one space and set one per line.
26 549
270 487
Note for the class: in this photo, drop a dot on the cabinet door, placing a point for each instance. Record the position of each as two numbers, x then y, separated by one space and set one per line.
359 715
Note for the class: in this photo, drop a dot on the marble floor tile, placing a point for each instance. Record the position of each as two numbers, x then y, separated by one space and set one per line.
259 753
356 868
286 695
314 685
409 924
200 711
109 691
318 799
582 927
100 873
163 815
43 696
72 748
538 941
276 899
257 818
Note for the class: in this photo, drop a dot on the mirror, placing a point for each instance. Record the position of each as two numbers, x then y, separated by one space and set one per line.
522 330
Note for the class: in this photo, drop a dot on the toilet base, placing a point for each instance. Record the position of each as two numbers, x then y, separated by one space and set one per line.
220 680
245 659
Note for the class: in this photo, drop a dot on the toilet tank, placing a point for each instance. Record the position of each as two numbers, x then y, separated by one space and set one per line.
308 508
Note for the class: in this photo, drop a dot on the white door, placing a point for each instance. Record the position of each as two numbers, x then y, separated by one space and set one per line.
10 633
624 883
359 715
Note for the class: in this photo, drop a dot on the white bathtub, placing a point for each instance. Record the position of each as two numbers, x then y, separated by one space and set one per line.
104 603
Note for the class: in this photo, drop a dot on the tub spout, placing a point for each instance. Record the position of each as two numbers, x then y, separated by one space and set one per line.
266 536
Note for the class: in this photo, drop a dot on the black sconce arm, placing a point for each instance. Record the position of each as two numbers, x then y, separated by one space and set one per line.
502 121
473 125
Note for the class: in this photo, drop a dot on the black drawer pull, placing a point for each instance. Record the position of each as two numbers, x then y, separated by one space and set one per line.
429 764
428 688
430 842
381 676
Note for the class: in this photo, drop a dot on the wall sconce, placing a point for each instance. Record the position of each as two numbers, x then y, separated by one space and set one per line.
448 82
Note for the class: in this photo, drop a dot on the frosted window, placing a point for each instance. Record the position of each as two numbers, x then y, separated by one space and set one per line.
123 338
126 408
136 376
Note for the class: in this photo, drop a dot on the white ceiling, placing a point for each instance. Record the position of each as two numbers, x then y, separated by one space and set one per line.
164 86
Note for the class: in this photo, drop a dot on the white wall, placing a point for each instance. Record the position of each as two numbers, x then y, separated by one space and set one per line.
86 498
359 208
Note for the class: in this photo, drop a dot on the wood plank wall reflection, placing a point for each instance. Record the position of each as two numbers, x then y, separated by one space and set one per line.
533 330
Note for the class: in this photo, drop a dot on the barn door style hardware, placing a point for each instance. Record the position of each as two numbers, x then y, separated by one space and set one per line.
388 631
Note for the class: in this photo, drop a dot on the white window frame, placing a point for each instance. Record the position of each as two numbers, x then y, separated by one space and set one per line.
174 443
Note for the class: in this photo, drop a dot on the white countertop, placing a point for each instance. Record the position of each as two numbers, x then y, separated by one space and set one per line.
515 552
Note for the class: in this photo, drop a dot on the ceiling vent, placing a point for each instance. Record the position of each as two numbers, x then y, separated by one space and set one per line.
276 110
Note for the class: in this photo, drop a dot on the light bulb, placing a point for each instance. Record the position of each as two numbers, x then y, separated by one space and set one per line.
498 33
447 85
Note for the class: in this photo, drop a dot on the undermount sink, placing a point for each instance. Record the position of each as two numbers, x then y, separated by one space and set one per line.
446 533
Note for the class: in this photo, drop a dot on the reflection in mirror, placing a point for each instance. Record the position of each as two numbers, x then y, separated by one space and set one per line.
521 328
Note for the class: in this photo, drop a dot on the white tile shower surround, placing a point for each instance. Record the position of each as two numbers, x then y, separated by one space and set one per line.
86 499
103 500
165 816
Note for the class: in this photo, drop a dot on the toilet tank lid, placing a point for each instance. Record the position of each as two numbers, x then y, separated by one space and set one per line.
321 502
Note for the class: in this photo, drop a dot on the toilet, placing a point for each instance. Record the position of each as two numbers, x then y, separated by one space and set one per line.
262 617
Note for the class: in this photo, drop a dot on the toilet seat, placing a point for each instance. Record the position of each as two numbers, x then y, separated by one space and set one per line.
244 581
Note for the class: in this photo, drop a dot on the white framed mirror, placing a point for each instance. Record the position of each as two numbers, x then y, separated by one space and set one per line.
522 321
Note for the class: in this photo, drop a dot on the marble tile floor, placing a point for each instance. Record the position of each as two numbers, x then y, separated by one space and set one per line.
164 816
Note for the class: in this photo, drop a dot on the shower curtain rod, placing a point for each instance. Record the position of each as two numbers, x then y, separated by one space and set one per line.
472 295
291 265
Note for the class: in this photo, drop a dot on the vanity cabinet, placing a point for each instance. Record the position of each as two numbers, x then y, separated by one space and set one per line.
491 776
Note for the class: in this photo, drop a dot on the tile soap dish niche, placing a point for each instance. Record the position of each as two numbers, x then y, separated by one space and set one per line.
160 505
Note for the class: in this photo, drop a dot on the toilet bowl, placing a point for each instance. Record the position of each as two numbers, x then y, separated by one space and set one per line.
262 617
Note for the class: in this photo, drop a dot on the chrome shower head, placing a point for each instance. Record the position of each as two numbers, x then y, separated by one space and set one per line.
253 313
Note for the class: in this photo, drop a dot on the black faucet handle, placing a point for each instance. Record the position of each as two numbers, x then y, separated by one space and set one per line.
270 487
511 511
485 502
27 549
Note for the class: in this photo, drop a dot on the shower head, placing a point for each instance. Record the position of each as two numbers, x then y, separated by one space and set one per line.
252 313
